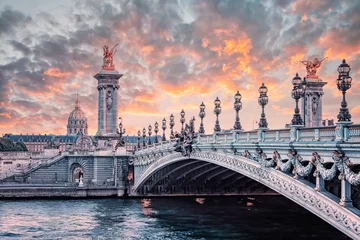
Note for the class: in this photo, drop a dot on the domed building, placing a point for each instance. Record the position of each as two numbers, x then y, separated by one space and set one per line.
77 122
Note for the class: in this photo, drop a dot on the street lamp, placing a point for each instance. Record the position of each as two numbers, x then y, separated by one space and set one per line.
237 108
192 125
217 111
343 84
263 100
297 93
172 124
182 120
296 81
156 131
30 169
120 130
304 84
164 128
149 128
144 136
138 138
202 114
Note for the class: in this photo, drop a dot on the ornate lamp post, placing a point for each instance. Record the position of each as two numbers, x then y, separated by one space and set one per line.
138 139
217 111
164 128
120 130
343 84
202 114
182 120
237 107
172 124
297 93
263 100
156 131
149 128
144 136
192 125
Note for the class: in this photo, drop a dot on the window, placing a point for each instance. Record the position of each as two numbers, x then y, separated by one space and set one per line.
70 130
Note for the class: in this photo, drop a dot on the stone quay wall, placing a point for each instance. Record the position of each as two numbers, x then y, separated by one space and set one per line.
59 192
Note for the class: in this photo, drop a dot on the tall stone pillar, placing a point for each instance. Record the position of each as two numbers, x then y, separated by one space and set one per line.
312 102
108 86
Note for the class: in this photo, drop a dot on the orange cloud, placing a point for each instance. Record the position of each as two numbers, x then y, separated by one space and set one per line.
55 72
287 111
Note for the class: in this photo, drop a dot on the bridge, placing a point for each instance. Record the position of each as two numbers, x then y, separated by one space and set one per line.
314 167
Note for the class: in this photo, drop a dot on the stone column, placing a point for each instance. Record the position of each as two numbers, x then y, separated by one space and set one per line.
313 112
108 80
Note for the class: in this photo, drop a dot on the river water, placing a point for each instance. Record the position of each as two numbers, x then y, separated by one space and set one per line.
268 217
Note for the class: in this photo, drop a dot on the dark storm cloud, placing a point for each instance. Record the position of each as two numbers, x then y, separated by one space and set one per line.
12 19
20 47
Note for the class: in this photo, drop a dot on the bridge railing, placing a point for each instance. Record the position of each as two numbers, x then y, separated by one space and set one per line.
354 133
349 133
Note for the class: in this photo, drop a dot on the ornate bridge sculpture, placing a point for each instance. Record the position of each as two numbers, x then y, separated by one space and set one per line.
299 163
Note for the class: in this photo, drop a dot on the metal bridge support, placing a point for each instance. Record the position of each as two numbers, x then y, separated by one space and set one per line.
345 200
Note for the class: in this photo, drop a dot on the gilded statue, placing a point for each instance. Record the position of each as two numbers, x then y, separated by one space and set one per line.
311 67
109 57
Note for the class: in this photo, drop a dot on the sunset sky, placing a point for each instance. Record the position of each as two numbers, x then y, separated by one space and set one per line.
174 55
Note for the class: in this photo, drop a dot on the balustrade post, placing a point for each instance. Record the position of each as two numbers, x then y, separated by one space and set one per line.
294 133
235 136
317 134
342 131
261 134
345 200
277 136
215 138
199 138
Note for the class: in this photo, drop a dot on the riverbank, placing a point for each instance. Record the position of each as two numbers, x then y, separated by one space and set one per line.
59 192
62 192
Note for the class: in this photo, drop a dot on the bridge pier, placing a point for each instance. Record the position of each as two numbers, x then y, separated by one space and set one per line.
345 200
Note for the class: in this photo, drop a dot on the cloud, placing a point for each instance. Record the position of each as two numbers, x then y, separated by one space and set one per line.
174 55
10 20
56 72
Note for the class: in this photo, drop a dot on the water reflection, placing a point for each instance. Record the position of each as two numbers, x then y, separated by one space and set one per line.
175 219
200 200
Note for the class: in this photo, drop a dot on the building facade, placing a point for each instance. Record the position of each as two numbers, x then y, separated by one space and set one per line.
77 121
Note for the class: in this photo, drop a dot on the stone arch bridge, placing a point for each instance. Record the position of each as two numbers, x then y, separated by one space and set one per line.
318 168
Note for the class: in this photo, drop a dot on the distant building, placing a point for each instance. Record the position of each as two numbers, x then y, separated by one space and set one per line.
327 122
37 143
77 122
324 123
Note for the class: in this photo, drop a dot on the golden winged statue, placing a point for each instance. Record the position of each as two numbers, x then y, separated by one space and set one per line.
311 67
108 63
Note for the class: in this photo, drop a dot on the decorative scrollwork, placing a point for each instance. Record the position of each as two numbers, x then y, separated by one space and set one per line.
299 169
325 173
283 164
343 163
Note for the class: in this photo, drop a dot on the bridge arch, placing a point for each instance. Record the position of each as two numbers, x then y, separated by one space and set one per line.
322 204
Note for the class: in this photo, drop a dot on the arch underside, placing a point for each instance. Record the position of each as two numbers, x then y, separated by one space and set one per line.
191 176
210 168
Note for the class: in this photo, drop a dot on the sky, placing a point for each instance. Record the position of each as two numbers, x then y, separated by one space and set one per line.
173 55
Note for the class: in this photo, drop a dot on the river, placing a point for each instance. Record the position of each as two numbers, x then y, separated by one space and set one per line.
272 217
